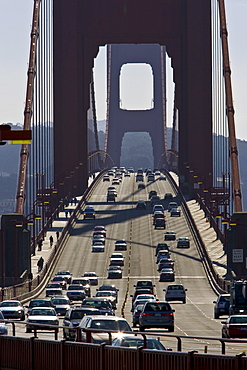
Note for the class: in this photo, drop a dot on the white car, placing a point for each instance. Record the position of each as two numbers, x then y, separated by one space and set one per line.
92 277
98 247
12 310
175 292
117 259
42 315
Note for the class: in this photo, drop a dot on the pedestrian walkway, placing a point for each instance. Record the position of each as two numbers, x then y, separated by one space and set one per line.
52 233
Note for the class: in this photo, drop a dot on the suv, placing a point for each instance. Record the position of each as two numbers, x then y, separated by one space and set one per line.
157 315
161 246
159 222
89 212
111 197
175 292
183 242
222 305
145 284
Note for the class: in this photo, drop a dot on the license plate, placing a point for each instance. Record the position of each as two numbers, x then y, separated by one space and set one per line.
243 329
157 314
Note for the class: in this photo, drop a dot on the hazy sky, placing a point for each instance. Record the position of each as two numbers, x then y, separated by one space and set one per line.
15 26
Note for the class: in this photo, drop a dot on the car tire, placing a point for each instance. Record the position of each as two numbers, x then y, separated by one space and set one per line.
184 301
171 329
216 315
28 330
134 325
23 317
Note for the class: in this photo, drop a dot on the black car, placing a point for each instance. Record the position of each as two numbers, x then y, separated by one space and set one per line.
89 212
151 193
159 223
161 246
222 305
102 304
73 318
141 185
157 315
141 204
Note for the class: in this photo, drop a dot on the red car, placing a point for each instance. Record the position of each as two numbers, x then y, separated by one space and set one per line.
235 327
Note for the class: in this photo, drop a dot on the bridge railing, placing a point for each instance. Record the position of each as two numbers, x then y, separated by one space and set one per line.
34 353
217 282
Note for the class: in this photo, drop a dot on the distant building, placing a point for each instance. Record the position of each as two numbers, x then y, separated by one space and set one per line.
7 206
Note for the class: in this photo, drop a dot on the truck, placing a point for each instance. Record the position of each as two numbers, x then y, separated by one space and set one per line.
238 298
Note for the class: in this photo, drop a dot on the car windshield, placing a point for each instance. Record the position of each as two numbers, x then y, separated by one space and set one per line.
119 325
78 314
63 273
51 285
60 301
157 307
97 304
139 342
114 268
40 304
224 299
42 312
10 304
104 294
144 284
238 320
75 287
175 287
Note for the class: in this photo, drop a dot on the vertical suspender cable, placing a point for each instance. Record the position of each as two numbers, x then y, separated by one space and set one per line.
237 198
21 186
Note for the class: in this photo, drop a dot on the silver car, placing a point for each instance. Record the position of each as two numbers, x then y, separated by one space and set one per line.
157 315
3 326
12 310
175 292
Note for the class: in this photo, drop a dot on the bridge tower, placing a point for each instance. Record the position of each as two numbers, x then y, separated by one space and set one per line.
121 121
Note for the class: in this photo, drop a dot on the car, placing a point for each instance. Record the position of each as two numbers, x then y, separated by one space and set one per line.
161 246
101 229
103 323
159 223
234 327
65 274
114 272
53 289
222 305
136 313
141 299
42 315
157 314
151 177
168 196
165 263
60 280
85 282
3 326
115 181
172 205
76 292
110 287
141 185
98 247
39 303
112 190
170 235
139 177
102 304
108 294
183 242
130 169
110 173
157 173
89 213
73 318
135 341
120 245
117 259
141 204
12 309
98 238
162 254
145 284
106 178
111 197
155 199
158 207
158 214
92 277
61 304
162 177
126 174
175 292
175 212
167 274
151 193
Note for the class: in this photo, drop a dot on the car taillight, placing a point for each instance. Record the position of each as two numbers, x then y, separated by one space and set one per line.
147 314
168 293
182 292
167 314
